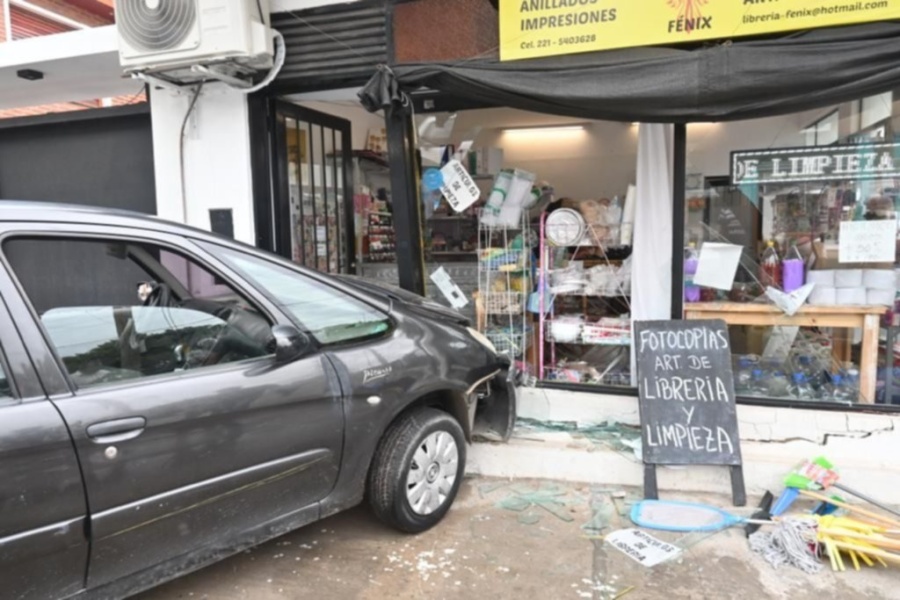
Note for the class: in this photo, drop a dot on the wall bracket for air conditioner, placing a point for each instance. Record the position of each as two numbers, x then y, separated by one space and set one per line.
158 82
212 73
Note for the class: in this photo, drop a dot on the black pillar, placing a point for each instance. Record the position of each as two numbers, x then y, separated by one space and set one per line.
405 200
679 166
261 169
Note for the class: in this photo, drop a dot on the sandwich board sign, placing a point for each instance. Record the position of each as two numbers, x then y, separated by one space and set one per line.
687 400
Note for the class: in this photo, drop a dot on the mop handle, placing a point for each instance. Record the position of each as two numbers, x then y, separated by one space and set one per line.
871 501
870 514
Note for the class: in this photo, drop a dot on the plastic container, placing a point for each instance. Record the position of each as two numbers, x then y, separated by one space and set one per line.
691 261
838 391
793 269
758 385
852 384
778 385
743 376
800 388
770 266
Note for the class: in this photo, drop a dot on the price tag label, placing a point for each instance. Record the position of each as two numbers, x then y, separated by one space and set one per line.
458 187
868 241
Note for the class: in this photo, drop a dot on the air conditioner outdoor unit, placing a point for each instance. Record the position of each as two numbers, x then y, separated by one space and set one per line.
168 36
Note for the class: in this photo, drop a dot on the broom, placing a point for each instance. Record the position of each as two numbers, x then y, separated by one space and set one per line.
819 474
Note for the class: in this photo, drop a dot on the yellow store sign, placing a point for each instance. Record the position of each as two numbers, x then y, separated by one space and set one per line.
534 28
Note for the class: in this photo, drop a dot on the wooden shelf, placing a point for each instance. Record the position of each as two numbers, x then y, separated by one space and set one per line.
865 317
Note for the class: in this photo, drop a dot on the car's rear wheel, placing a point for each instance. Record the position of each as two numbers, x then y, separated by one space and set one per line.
417 470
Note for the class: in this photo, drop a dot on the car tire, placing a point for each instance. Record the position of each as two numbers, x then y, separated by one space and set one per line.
417 470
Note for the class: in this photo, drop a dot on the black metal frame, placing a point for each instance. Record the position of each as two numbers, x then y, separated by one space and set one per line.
277 236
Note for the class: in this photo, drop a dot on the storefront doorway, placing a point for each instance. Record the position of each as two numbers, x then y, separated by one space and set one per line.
312 176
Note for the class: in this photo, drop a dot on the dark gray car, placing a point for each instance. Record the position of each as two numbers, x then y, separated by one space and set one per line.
169 397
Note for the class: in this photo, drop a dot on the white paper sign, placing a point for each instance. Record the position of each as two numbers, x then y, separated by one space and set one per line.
718 265
449 289
642 547
459 188
867 241
790 303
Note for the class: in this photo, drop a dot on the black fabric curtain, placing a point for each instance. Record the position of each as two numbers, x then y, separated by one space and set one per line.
724 82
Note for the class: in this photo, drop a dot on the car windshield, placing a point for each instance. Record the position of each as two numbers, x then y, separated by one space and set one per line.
328 314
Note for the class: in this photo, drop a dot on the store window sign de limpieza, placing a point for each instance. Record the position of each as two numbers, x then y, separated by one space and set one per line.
785 165
536 28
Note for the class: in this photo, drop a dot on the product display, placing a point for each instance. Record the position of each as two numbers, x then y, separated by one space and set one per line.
585 324
795 232
379 244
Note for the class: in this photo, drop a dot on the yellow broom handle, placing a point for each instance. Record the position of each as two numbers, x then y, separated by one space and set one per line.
869 539
868 551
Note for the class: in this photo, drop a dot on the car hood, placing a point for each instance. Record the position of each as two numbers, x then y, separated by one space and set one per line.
406 300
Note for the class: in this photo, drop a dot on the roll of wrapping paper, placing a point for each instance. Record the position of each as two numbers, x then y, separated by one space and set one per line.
628 216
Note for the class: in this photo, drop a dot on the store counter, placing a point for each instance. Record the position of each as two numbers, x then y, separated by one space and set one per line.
867 318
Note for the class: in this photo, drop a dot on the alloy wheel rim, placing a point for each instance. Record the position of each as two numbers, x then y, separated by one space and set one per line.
432 473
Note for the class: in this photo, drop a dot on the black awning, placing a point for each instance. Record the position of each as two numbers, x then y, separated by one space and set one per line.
728 81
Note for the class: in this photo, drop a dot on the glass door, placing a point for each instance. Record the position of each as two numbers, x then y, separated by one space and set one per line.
313 189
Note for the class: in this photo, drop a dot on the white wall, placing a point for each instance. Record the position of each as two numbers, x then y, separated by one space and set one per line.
284 5
361 120
216 158
773 442
710 144
597 162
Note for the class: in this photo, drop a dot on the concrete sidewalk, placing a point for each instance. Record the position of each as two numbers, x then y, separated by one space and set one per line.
512 539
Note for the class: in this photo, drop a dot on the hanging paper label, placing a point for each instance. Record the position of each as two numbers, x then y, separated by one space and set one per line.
449 289
642 547
459 188
868 241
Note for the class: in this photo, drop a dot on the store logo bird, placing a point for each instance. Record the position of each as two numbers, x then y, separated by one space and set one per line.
690 16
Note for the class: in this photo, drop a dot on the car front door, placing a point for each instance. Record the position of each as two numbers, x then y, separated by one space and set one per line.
191 447
43 543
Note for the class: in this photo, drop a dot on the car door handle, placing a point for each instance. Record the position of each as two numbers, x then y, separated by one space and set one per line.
119 430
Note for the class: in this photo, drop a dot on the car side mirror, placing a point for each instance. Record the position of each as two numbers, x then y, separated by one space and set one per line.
289 343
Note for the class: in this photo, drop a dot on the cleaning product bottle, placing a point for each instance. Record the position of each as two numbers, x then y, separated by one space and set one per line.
770 266
852 385
793 269
758 385
743 376
800 389
778 385
691 260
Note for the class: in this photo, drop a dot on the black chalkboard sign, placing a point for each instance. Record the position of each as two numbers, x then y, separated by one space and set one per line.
686 391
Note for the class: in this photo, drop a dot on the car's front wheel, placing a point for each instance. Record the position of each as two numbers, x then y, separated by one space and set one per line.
417 470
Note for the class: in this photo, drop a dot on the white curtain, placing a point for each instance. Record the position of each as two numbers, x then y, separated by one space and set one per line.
651 262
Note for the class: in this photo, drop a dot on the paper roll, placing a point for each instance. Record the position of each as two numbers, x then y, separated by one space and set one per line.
848 278
879 279
821 278
823 296
851 296
885 297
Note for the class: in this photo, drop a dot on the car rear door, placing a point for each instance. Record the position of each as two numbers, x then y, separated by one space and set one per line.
43 541
181 465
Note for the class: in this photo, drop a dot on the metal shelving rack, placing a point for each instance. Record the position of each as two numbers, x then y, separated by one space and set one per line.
504 274
546 315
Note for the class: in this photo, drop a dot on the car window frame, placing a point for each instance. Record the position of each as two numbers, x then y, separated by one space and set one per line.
213 248
162 239
15 396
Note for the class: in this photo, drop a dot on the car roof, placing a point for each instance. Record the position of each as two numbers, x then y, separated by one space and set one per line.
58 212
